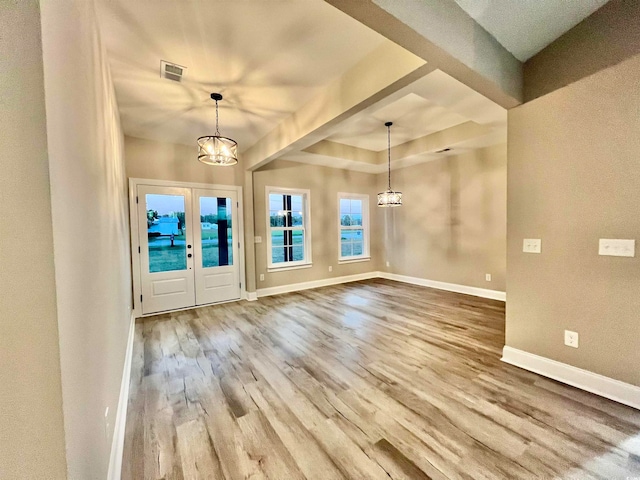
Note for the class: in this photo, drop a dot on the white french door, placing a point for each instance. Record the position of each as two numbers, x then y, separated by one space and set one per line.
188 247
216 247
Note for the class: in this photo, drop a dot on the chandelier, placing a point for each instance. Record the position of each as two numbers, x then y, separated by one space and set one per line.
216 149
389 198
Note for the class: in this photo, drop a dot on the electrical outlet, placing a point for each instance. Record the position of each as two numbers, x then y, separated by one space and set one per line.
487 277
330 268
571 339
532 245
388 264
262 277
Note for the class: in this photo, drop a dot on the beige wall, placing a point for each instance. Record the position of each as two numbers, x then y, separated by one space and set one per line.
179 163
574 177
324 184
90 230
605 38
452 225
31 421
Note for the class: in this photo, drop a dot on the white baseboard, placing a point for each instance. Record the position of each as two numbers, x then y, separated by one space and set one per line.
252 296
117 444
295 287
450 287
607 387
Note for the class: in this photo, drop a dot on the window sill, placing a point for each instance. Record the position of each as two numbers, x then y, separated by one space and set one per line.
285 267
354 260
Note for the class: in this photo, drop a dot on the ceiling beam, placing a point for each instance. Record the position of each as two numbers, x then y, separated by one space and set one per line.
386 70
441 33
345 152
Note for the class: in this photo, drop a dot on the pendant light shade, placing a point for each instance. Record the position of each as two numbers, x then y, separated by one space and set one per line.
216 149
389 198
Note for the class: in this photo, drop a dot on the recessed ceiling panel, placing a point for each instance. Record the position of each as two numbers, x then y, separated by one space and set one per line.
412 115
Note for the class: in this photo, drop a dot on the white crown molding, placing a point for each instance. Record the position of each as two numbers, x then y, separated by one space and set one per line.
607 387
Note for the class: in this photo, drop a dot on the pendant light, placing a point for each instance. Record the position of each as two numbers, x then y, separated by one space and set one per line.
389 198
216 149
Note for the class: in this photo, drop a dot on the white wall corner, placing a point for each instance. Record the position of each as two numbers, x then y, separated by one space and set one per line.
117 443
607 387
450 287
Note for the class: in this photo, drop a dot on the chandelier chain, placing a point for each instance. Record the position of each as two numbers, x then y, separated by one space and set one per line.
389 153
217 131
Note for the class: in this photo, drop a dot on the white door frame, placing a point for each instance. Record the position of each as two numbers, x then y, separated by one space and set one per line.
135 244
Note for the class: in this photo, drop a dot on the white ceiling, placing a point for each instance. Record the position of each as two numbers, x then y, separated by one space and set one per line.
524 27
266 57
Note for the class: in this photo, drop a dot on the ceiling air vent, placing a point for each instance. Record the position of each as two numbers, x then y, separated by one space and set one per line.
171 71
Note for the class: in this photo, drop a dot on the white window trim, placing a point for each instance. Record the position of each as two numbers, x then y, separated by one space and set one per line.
366 255
307 262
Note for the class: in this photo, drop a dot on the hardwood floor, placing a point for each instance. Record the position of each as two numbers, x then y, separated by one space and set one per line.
368 380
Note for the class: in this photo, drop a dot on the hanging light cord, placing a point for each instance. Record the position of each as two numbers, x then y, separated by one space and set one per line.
217 131
389 152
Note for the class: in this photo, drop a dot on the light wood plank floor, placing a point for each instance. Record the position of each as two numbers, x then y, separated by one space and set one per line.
368 380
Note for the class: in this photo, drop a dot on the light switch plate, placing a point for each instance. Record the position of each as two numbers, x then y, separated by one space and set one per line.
617 247
532 245
257 239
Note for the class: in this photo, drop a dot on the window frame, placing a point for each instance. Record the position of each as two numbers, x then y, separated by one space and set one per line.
306 228
366 254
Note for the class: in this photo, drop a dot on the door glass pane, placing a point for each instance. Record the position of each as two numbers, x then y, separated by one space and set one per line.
166 233
216 231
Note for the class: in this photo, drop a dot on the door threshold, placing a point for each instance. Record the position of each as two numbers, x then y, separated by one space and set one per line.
193 307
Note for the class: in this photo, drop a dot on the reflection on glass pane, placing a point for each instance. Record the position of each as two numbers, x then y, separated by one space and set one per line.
166 233
296 219
277 218
357 247
345 248
345 206
216 231
277 254
298 253
277 238
275 202
296 203
298 237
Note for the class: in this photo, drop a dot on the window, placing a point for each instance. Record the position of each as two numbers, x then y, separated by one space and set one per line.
353 221
289 233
